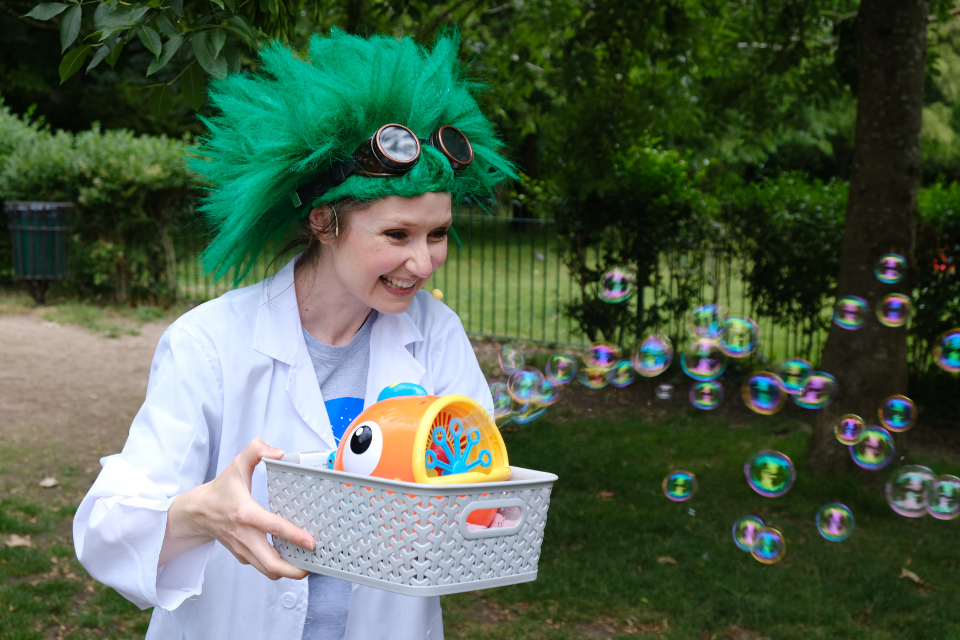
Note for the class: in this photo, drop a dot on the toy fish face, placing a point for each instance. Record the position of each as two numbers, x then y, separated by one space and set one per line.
395 439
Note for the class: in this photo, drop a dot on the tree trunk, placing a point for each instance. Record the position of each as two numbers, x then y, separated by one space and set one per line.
871 363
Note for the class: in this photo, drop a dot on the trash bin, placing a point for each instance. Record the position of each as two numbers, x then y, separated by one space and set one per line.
38 243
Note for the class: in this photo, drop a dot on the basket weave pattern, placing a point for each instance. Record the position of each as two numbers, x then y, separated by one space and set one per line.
410 539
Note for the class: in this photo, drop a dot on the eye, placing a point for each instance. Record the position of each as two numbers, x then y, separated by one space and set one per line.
396 234
438 234
362 453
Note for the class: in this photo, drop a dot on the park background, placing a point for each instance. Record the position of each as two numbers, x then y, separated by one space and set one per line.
710 144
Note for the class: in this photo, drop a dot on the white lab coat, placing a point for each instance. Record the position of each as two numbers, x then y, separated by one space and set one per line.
231 370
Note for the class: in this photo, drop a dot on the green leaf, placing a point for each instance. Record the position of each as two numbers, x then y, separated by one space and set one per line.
69 27
177 6
217 67
219 3
166 27
192 86
46 10
72 62
231 5
114 54
151 40
217 38
239 26
160 100
98 57
103 9
169 49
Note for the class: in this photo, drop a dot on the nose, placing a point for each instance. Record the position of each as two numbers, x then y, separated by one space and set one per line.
418 262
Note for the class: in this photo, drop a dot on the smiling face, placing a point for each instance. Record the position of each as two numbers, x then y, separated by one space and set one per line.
387 251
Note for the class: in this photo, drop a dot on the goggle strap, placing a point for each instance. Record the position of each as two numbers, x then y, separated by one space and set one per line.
335 176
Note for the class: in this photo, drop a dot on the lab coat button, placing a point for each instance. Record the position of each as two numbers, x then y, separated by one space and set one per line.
288 600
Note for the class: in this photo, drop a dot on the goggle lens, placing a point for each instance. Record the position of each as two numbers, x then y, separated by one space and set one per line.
399 143
456 145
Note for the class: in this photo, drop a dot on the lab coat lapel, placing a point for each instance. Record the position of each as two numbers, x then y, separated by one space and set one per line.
279 335
390 361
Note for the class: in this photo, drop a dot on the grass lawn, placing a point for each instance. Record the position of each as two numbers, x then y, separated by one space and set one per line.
619 559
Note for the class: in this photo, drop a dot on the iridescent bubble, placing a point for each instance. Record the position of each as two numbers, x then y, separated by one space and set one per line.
664 391
502 402
763 392
592 377
602 355
524 384
835 522
653 356
703 360
770 473
793 372
875 449
621 375
908 490
894 310
529 413
561 368
706 321
947 352
706 395
548 393
943 502
745 532
890 268
817 391
850 312
898 413
511 358
680 486
849 429
618 284
770 546
741 336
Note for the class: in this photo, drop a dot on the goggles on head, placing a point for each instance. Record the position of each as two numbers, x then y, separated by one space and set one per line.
391 151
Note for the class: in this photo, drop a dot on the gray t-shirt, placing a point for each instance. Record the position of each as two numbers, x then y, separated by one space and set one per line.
342 374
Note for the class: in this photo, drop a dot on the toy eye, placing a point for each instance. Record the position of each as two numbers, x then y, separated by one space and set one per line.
362 453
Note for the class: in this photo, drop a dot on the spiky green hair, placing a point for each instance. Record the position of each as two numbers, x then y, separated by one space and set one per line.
277 129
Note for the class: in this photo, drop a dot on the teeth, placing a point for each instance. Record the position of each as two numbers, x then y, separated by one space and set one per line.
397 284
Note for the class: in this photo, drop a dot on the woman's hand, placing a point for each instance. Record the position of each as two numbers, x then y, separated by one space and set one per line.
224 510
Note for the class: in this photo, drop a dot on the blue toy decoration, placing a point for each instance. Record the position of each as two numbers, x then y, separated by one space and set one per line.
456 458
400 389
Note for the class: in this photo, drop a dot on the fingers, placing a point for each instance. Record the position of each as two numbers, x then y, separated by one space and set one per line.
255 451
267 522
265 559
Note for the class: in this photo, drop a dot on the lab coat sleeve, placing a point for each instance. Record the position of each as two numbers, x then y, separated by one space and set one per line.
456 366
118 529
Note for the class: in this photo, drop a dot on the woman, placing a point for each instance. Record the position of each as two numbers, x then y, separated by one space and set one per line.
358 153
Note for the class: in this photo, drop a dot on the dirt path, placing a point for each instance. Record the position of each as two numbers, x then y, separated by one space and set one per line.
67 398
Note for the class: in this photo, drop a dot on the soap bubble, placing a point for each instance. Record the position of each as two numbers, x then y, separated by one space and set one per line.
740 336
793 372
850 312
835 522
817 391
908 490
894 310
502 402
618 284
653 356
703 360
664 391
763 392
890 268
770 473
548 393
898 413
511 358
706 321
602 355
745 532
592 378
524 384
529 413
621 375
849 429
875 449
770 546
561 368
943 502
680 486
947 352
706 395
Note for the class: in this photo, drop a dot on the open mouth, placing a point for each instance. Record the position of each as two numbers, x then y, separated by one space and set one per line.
396 286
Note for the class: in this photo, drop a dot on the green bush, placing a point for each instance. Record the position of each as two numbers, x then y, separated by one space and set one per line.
132 196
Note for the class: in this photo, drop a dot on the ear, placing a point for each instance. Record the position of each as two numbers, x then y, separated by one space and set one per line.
323 224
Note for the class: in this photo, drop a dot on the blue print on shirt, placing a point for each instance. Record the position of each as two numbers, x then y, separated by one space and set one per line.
342 411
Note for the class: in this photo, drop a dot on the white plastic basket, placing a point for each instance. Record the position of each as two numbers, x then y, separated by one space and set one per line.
410 538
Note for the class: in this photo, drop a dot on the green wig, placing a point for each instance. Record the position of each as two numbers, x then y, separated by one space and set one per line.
278 129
